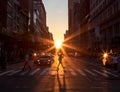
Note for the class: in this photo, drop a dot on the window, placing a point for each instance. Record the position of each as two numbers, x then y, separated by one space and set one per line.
35 17
109 11
116 29
37 12
104 4
110 33
116 7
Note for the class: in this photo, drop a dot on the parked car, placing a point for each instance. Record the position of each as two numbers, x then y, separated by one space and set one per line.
44 60
35 55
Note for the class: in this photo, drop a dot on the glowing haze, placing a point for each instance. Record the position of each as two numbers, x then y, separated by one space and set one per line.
57 17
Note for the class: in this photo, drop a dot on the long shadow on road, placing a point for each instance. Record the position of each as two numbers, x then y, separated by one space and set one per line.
61 83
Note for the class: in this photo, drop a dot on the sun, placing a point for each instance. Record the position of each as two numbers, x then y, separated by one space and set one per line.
58 44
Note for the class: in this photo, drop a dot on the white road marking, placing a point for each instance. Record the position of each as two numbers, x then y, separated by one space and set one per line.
6 72
35 71
14 73
110 73
53 73
101 73
45 71
90 72
72 72
81 72
24 72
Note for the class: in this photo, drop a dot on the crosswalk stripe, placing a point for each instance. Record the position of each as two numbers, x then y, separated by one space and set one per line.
84 72
110 73
101 73
72 72
45 71
35 71
23 73
90 72
62 73
14 73
81 72
6 72
53 73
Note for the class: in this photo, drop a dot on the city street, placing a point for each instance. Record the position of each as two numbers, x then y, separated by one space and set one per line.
82 36
77 76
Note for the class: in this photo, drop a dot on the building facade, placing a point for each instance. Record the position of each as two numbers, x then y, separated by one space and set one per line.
104 23
71 8
78 14
83 18
95 24
22 27
39 26
14 23
14 18
71 36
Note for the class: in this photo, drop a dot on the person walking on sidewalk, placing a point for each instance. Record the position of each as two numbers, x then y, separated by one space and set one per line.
26 62
115 61
60 57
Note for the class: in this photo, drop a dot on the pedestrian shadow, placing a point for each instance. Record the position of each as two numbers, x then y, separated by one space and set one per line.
61 83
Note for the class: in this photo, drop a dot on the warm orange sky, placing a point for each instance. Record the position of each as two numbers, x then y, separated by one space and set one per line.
57 17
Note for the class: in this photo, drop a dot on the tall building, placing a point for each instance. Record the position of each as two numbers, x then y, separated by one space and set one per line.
96 22
104 24
39 17
23 23
13 24
83 22
71 4
38 23
78 14
14 20
73 7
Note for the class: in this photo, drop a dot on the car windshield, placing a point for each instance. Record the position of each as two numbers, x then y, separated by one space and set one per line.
44 56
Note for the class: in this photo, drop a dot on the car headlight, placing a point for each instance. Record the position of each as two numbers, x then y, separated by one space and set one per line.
34 54
38 61
49 60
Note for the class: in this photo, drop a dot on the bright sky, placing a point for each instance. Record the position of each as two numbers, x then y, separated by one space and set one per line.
57 17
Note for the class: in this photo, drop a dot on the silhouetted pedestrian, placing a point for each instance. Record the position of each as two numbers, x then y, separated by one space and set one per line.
26 62
60 57
115 61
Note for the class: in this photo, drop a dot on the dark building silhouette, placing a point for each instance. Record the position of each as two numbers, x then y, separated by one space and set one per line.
78 14
23 27
104 24
93 25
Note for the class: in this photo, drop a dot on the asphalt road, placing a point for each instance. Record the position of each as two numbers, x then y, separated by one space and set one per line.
77 76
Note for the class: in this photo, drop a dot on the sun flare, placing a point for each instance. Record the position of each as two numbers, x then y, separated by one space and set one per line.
58 44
